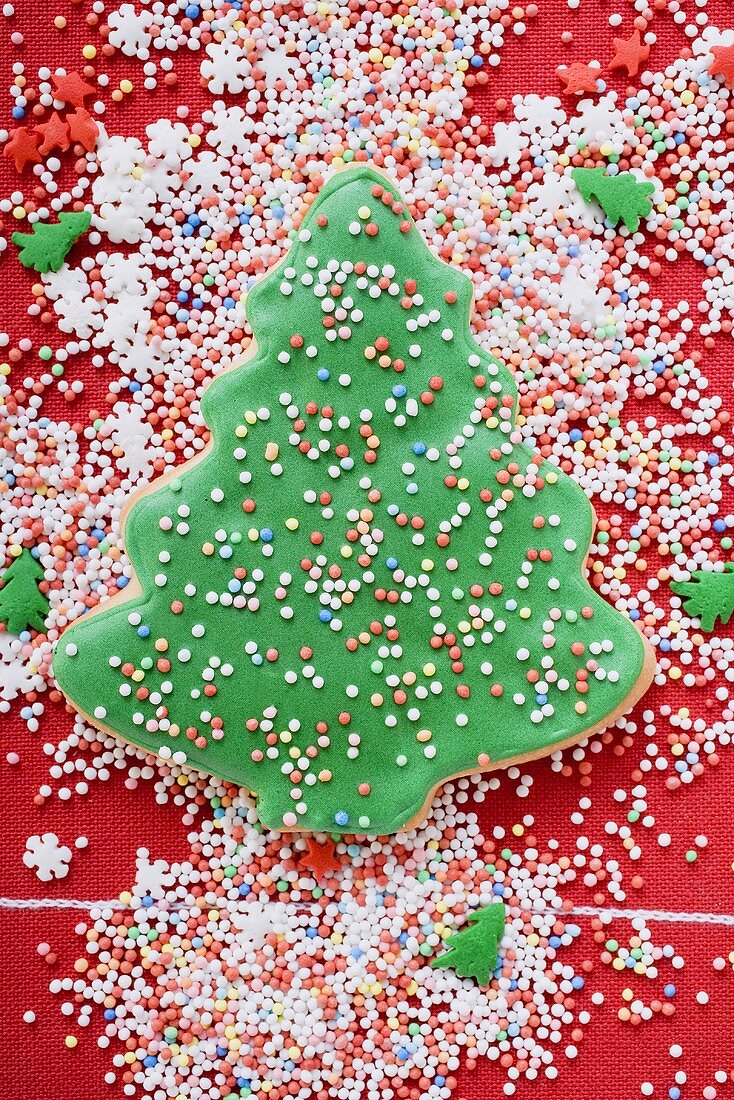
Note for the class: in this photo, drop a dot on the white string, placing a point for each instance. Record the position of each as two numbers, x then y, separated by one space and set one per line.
663 915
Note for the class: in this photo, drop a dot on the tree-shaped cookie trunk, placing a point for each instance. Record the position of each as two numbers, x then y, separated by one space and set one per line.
367 584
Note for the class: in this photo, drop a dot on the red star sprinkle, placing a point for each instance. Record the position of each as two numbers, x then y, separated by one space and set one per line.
723 63
320 858
23 148
83 128
72 89
578 78
55 134
631 52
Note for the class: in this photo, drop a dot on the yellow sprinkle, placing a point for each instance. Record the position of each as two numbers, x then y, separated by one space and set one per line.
292 523
126 86
71 1041
194 140
19 213
89 51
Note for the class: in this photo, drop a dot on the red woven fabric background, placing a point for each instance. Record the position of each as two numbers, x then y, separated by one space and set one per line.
613 1058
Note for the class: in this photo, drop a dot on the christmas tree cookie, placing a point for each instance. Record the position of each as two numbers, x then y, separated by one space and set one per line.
367 584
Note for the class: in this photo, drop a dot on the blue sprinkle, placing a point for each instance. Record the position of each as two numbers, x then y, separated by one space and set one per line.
341 817
143 631
325 615
670 990
266 534
323 374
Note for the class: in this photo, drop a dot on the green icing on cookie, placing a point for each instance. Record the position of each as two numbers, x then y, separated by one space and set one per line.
368 584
